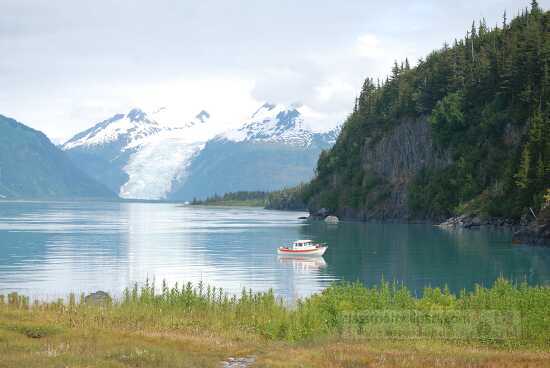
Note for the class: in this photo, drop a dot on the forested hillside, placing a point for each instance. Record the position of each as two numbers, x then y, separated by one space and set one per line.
466 129
242 198
32 167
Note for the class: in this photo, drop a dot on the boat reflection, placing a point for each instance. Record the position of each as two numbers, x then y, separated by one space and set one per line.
303 264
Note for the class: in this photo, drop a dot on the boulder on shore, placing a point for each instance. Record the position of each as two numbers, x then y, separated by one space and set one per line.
332 220
99 297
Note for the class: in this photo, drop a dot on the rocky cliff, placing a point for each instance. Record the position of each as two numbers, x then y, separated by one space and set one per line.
390 162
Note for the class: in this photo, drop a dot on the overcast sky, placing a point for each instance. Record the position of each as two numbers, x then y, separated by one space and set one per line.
67 64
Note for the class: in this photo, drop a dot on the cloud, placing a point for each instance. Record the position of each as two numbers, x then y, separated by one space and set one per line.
332 88
368 46
284 84
67 64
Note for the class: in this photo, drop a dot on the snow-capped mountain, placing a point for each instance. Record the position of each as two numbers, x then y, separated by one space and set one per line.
166 155
140 155
275 124
127 130
275 148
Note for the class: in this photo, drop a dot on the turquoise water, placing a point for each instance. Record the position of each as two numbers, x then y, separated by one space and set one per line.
48 249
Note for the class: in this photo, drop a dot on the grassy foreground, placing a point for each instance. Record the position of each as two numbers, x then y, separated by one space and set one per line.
347 325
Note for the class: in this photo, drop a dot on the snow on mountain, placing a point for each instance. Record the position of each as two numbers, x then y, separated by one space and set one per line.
154 168
273 124
150 155
163 159
160 146
131 128
275 148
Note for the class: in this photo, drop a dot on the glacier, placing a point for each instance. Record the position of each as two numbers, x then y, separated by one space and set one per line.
157 166
149 155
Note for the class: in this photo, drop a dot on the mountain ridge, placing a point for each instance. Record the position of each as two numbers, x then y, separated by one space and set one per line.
144 156
32 167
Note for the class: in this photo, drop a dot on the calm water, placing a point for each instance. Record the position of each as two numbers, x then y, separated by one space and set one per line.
49 249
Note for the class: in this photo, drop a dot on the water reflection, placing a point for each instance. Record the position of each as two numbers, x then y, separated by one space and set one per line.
303 264
48 249
420 255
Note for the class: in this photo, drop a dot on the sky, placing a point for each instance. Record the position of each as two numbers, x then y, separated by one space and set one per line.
68 64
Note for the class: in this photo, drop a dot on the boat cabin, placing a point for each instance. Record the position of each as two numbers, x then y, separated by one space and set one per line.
303 244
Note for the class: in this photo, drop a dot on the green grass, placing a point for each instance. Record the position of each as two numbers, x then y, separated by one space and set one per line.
200 326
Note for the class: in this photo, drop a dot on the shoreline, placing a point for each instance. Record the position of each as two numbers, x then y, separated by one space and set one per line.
533 233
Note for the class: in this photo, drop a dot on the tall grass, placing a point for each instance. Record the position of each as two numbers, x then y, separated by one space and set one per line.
505 313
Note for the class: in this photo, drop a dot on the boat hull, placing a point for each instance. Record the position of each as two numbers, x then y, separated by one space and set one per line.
301 253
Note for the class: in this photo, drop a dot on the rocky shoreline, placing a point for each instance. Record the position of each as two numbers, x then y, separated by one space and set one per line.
536 232
473 221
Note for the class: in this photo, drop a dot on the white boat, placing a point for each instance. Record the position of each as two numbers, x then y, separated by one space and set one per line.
303 248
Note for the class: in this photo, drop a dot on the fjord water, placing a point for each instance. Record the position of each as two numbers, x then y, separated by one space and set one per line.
48 249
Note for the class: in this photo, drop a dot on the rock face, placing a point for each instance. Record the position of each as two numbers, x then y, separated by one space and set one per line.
401 154
395 159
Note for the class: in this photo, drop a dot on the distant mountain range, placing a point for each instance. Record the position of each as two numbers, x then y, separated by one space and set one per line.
33 167
160 155
273 150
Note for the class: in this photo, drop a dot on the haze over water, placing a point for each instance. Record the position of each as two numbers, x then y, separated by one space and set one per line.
48 249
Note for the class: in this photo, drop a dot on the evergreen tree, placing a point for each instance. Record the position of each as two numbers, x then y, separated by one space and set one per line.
488 100
535 9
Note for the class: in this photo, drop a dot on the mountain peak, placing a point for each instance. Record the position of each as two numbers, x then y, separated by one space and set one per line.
124 129
268 106
288 118
272 124
136 115
202 116
264 109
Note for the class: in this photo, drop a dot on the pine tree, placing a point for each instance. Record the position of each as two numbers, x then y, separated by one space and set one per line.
473 35
522 177
535 9
366 97
395 71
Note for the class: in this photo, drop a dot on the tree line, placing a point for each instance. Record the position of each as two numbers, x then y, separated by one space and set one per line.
487 100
